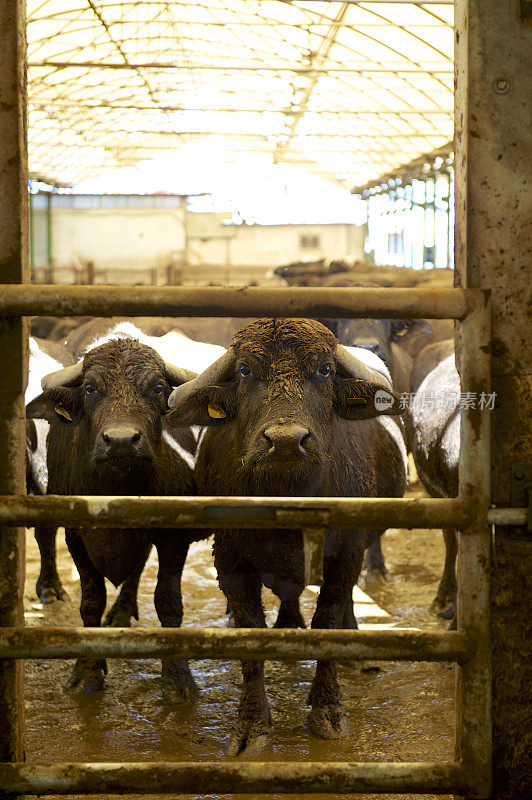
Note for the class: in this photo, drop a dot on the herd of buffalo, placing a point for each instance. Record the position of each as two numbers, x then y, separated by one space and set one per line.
272 407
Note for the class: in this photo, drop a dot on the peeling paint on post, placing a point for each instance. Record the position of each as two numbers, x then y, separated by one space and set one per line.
14 268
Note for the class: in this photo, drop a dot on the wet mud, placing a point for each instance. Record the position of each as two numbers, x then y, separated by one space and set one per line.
402 712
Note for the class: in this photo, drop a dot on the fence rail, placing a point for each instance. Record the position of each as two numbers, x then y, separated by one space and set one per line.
208 778
236 512
217 301
222 643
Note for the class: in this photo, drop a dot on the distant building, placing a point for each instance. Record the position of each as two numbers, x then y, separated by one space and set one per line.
153 239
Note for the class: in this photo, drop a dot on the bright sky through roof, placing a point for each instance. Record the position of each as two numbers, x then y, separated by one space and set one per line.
345 92
247 184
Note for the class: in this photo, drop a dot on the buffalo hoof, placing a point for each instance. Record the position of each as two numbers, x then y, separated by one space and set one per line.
327 722
444 606
50 591
178 684
120 615
87 676
230 621
376 575
250 738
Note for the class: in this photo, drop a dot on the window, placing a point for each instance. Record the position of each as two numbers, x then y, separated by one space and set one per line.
309 241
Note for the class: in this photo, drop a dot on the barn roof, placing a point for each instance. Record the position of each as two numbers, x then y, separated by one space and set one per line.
345 90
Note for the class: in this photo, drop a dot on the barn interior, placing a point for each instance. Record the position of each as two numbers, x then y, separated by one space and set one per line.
279 145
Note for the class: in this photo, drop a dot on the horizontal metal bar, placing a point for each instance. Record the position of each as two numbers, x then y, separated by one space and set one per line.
229 643
217 301
337 513
171 65
215 778
507 516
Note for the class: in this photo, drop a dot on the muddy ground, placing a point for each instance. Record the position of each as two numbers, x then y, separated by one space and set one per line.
404 712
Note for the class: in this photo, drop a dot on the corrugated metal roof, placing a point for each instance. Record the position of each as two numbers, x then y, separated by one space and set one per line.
346 90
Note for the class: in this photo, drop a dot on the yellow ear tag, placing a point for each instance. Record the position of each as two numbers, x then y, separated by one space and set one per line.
63 413
356 401
216 412
402 332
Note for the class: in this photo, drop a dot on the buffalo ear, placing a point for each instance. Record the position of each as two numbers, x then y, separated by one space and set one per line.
59 406
404 328
209 405
356 399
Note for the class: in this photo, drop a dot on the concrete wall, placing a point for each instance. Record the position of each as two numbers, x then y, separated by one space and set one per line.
246 252
129 242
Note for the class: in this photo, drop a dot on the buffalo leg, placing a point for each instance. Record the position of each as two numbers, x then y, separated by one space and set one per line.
326 718
49 586
177 681
125 606
445 601
252 731
289 615
87 675
374 560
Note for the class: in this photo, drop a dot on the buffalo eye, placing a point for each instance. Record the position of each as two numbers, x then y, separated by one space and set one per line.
90 388
158 388
244 370
324 370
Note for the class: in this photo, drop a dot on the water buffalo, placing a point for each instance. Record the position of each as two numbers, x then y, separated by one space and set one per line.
290 412
186 352
109 436
44 357
435 420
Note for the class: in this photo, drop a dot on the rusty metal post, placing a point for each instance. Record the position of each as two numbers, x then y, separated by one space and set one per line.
14 268
474 678
493 141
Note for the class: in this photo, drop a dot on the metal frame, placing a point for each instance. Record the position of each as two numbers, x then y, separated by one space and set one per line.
468 646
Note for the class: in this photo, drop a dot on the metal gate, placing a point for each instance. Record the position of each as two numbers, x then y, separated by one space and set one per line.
468 646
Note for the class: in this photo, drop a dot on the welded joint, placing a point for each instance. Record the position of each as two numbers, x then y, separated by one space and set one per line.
474 506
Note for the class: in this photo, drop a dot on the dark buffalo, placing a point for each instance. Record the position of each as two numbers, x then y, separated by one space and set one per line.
290 413
435 419
44 357
109 437
383 338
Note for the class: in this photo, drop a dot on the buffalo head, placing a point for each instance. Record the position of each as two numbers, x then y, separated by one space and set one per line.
283 385
117 397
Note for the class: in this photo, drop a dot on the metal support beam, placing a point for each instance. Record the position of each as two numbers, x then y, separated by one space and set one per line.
493 245
217 301
225 643
14 268
208 778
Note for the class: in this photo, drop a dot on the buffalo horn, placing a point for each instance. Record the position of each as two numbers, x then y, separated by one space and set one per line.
355 368
177 375
210 376
67 376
